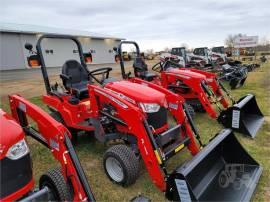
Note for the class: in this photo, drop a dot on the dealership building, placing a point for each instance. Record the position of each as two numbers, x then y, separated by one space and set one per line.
13 37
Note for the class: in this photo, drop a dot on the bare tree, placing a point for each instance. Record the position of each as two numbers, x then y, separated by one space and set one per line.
229 41
264 41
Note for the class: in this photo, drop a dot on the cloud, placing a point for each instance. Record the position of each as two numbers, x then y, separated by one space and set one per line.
153 23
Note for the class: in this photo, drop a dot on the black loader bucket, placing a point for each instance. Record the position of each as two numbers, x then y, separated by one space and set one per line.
237 82
243 117
238 78
222 171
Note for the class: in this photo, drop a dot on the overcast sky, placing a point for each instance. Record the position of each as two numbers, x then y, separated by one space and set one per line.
154 24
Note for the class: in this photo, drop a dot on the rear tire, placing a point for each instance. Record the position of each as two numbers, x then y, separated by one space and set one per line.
121 165
55 181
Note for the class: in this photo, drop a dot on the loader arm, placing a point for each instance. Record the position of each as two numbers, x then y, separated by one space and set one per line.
217 89
168 79
56 137
176 107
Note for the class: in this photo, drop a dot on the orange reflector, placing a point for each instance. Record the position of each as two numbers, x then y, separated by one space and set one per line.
34 63
88 59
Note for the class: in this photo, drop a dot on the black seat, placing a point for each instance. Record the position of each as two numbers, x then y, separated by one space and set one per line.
141 70
75 78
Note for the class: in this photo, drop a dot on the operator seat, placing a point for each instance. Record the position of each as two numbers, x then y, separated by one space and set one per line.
75 78
141 70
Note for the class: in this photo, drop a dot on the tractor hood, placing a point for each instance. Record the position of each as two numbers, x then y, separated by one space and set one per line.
10 133
137 92
186 73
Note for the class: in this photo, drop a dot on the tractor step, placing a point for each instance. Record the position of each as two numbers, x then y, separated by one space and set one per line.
168 136
99 131
171 150
170 142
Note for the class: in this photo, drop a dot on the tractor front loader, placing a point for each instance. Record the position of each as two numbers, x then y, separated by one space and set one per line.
197 179
203 91
195 85
68 183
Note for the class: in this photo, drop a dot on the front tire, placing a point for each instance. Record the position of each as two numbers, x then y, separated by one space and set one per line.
121 165
55 181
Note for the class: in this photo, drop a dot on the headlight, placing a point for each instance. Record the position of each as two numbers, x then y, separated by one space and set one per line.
18 150
150 107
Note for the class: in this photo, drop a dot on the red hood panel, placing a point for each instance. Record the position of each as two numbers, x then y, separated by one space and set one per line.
10 133
186 73
137 92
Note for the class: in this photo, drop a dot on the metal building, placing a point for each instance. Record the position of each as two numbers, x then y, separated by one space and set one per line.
13 55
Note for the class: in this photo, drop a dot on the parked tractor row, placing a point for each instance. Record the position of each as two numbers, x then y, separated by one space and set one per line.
148 114
214 60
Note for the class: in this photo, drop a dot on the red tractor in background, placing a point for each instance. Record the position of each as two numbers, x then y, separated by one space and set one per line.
67 183
135 114
203 91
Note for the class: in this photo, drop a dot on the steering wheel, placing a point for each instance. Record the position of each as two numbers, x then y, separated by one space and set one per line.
105 72
157 67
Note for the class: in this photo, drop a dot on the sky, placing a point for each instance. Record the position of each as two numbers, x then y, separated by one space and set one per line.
154 24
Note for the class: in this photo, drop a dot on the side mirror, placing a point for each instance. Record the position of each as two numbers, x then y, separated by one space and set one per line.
28 46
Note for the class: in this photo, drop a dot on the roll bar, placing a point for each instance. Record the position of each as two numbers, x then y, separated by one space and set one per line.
41 57
119 51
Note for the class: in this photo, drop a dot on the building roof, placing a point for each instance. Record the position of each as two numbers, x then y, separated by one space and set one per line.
36 29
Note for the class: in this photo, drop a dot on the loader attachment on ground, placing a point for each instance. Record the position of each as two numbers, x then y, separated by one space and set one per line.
243 117
222 171
237 82
238 78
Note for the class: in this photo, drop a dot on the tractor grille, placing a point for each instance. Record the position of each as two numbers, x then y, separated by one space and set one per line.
15 174
157 119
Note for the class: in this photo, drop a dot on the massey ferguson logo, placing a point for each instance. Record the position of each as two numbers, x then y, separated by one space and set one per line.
113 99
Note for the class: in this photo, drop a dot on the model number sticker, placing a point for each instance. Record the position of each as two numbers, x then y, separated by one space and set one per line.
235 118
182 189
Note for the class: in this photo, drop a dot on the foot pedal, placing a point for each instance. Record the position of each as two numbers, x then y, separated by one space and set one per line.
99 132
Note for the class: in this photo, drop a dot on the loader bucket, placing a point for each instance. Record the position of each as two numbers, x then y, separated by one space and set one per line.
244 117
239 78
222 171
237 82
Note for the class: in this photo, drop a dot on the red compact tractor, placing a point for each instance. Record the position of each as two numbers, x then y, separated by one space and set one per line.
203 91
67 183
143 121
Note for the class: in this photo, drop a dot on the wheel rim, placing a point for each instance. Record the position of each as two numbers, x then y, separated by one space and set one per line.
223 181
114 169
52 195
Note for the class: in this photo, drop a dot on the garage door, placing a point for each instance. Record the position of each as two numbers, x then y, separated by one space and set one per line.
11 52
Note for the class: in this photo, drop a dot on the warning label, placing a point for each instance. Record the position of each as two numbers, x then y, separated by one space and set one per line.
182 190
235 118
